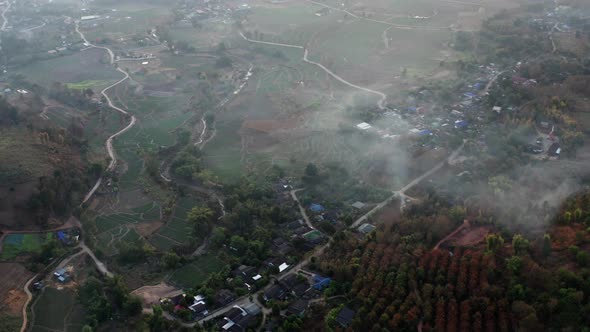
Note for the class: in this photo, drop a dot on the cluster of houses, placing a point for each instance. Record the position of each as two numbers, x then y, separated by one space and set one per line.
240 318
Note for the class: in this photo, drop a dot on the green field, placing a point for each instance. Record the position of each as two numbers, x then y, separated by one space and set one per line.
88 84
113 229
57 310
197 272
177 231
18 244
79 67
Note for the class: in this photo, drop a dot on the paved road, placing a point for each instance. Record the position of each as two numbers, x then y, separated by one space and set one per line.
301 208
382 96
109 141
29 298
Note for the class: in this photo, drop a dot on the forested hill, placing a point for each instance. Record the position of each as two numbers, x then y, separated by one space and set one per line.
395 281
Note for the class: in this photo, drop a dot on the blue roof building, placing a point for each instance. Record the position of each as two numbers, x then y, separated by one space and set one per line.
425 132
461 124
316 208
320 282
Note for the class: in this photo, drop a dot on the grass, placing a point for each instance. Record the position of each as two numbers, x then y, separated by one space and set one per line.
18 244
88 84
222 153
79 67
312 236
52 310
197 272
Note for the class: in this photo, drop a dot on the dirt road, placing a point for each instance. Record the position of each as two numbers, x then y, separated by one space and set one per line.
301 208
401 193
109 141
383 97
26 305
4 19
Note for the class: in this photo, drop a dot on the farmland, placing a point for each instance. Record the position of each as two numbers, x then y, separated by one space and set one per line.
19 244
197 271
86 66
177 231
57 310
115 228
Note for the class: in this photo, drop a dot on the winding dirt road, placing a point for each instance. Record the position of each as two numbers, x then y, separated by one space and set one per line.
26 305
382 96
4 19
109 141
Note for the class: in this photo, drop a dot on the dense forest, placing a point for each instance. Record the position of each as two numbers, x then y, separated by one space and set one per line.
397 282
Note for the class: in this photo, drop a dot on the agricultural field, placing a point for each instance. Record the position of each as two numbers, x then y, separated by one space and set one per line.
128 226
57 310
20 244
177 231
86 66
197 271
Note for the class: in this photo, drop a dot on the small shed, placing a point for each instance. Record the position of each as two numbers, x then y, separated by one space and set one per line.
358 205
366 228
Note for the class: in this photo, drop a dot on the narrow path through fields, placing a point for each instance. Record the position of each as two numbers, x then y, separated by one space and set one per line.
109 141
383 97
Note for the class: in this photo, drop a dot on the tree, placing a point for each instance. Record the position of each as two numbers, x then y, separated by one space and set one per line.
520 244
223 61
171 259
132 306
494 242
546 245
221 48
514 264
199 217
276 310
218 237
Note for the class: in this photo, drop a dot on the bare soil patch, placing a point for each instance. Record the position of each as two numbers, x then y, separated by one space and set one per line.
14 301
470 236
13 276
151 295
